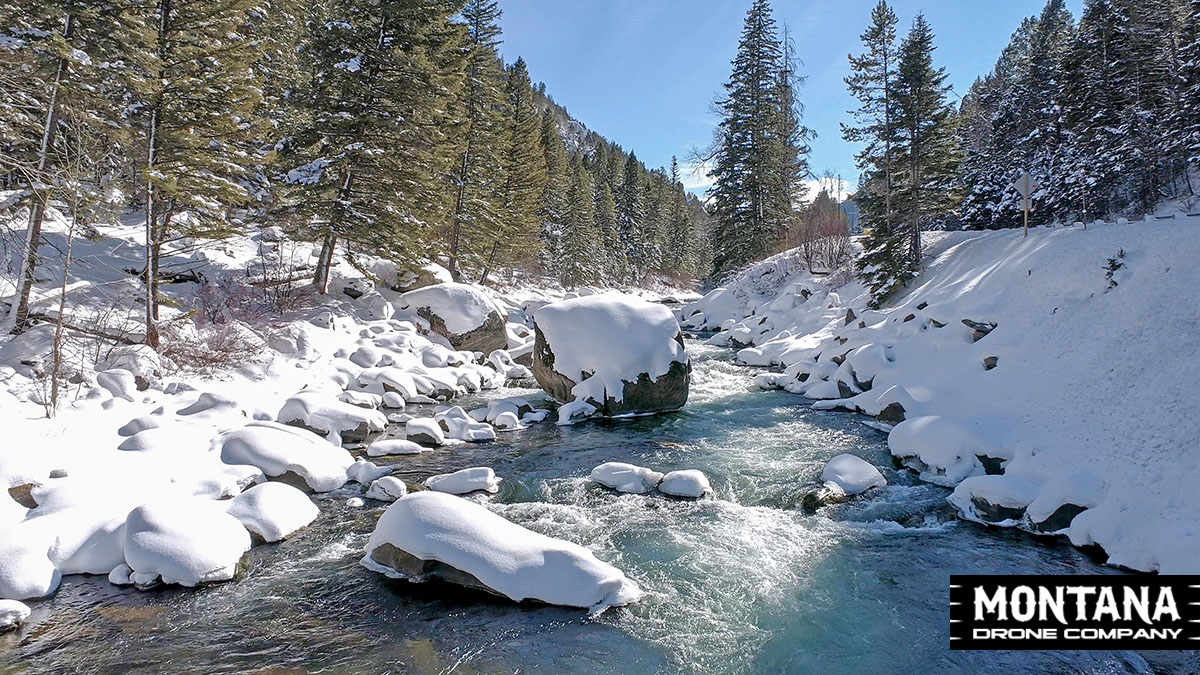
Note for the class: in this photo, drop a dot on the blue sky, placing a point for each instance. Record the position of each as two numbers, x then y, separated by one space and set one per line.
645 72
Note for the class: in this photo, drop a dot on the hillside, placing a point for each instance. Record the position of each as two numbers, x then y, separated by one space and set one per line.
1078 400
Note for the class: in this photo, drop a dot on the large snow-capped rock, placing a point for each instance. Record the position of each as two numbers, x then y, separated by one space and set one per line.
610 354
853 475
624 477
324 414
466 316
273 510
184 541
434 535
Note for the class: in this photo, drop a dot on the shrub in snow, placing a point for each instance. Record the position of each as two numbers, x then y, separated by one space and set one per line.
277 449
464 481
12 614
624 477
852 474
685 483
324 414
464 315
273 511
427 534
393 446
387 489
184 541
140 360
618 354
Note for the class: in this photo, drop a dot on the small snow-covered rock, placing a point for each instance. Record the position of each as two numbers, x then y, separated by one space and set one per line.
277 449
507 421
624 477
184 541
685 483
852 474
456 423
393 400
393 446
119 576
428 534
464 481
425 430
118 382
387 489
355 503
12 614
324 414
364 472
272 510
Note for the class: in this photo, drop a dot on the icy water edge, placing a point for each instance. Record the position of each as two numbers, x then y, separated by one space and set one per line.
746 582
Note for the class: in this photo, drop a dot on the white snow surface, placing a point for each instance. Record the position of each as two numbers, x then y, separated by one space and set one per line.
1093 395
12 614
185 542
463 307
516 562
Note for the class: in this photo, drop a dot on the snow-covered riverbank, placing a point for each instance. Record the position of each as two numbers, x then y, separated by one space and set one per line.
1064 364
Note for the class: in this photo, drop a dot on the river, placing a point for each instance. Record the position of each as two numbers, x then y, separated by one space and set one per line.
745 582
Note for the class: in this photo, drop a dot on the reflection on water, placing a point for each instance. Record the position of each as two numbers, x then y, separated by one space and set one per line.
742 583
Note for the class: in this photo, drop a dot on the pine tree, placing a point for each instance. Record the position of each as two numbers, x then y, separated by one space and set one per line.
578 263
476 220
929 157
555 200
678 240
606 227
371 165
631 219
196 93
523 172
750 195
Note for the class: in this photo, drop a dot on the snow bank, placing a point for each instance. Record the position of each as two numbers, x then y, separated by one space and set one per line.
624 477
508 559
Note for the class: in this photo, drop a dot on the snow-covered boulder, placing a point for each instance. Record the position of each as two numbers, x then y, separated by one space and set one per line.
387 489
364 472
852 474
616 354
12 614
184 541
942 449
278 449
685 483
464 481
425 431
624 477
272 510
432 535
466 316
139 360
324 414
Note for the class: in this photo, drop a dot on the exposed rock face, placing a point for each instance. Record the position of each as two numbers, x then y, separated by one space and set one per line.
666 392
990 362
892 414
415 569
979 329
995 513
1059 520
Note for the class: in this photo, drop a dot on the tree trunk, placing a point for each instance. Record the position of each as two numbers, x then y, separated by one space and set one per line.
19 314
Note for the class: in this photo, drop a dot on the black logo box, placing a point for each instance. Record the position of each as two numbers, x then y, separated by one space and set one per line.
982 625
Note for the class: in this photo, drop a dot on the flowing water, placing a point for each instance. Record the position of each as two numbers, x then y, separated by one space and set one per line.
745 582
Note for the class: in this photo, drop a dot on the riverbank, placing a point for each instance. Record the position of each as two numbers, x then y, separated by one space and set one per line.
1048 379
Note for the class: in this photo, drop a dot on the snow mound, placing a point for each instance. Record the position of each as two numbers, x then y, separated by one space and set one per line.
506 558
273 511
387 489
277 449
624 477
464 481
393 446
184 541
324 414
685 483
941 449
25 569
852 474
